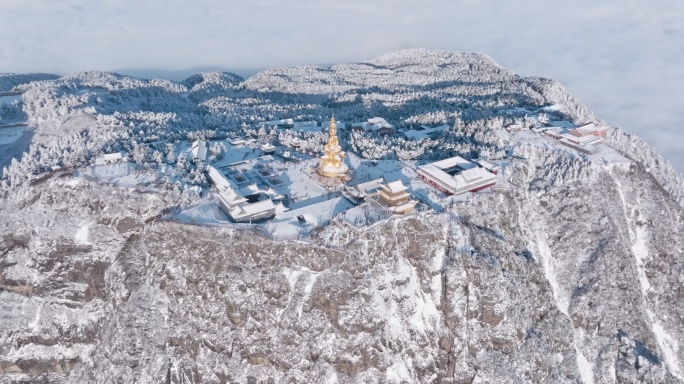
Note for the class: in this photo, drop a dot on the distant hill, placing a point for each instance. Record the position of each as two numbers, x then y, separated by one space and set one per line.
10 80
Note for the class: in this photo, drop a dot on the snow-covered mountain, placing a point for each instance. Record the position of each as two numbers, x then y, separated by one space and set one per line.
10 80
573 273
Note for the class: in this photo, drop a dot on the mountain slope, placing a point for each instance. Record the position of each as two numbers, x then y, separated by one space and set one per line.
572 273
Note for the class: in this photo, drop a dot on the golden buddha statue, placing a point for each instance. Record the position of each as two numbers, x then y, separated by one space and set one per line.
332 162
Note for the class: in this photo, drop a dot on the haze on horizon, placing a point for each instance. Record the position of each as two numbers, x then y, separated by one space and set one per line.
621 58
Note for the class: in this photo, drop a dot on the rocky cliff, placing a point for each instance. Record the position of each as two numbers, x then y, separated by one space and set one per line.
578 283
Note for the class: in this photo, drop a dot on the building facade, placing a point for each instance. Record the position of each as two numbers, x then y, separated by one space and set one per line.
395 197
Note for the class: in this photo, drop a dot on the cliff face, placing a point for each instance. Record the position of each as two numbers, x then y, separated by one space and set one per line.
572 283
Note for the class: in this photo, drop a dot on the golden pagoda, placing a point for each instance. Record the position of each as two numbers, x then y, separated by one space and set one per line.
332 162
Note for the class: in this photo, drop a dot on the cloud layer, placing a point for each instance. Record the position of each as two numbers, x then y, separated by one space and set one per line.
622 58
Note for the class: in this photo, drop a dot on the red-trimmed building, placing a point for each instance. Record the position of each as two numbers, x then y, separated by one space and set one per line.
590 129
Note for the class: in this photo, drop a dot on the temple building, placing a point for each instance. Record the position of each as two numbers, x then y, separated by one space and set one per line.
258 206
456 175
199 150
395 197
332 162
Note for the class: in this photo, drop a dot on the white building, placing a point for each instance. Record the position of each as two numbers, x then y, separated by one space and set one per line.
590 129
240 208
374 125
425 132
358 193
111 158
292 142
280 123
264 209
515 128
236 141
306 126
581 140
493 168
268 148
456 175
199 150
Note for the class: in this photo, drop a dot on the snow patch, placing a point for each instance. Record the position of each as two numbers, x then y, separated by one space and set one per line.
332 379
399 372
586 369
10 135
638 237
668 345
295 300
34 325
73 182
82 234
562 302
640 251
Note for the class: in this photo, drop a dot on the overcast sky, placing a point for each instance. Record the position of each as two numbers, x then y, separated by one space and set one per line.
624 59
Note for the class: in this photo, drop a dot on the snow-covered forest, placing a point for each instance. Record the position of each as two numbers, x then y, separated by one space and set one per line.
78 116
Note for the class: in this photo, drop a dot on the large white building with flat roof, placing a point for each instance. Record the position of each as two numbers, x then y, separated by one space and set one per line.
240 208
456 175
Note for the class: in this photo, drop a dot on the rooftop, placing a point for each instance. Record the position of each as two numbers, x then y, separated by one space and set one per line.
396 186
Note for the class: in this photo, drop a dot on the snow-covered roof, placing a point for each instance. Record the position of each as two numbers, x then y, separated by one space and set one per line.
379 121
414 134
405 206
586 148
249 189
487 165
396 186
218 179
516 127
588 129
470 175
226 191
267 147
293 142
552 131
113 156
582 140
467 174
199 150
274 123
231 198
361 190
373 124
252 209
306 126
452 162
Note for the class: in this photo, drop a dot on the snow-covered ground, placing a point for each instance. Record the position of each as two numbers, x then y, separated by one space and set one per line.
122 174
10 135
9 99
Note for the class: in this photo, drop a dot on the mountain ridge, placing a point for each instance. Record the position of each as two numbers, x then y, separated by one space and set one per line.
570 272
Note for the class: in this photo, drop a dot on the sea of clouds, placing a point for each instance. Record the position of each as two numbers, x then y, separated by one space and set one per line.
623 58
